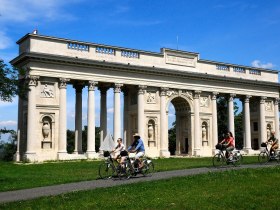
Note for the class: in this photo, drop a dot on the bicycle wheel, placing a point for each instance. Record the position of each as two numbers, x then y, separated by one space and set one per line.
263 158
106 171
218 160
238 159
148 168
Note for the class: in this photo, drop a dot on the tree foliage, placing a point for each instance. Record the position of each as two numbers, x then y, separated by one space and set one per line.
71 140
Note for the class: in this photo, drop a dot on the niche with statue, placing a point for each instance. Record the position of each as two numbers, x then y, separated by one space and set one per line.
47 132
151 133
204 134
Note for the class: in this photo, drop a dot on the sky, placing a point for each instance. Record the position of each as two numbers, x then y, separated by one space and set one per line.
244 32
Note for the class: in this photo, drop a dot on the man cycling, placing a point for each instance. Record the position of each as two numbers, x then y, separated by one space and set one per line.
273 141
139 148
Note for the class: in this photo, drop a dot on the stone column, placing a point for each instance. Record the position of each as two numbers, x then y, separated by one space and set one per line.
197 139
163 130
214 121
62 141
276 115
117 112
78 119
179 142
247 124
125 116
91 153
231 114
103 115
140 109
32 141
263 132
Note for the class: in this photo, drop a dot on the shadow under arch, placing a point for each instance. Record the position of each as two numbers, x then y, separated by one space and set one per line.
180 136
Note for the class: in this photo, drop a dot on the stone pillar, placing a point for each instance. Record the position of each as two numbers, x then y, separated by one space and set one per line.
125 117
103 115
197 132
263 132
276 115
117 112
141 117
62 141
91 153
32 141
163 130
231 114
179 142
247 124
19 128
78 119
214 121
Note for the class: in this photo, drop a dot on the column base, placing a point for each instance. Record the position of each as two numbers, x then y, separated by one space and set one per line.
92 155
165 153
16 157
197 152
30 157
249 151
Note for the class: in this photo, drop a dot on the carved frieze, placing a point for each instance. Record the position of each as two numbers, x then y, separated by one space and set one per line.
268 106
47 90
151 98
204 101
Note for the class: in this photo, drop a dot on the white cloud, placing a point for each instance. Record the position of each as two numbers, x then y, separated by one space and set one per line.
8 123
259 64
110 110
30 10
5 41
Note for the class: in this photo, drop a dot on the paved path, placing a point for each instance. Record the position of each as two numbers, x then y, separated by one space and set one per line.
89 185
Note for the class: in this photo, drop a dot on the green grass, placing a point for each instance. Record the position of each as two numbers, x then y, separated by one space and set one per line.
22 176
233 189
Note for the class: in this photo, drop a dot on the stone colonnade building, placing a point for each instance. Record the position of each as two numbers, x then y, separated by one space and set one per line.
150 82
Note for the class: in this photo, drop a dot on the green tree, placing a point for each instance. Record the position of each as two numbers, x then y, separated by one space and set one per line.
71 140
9 148
172 139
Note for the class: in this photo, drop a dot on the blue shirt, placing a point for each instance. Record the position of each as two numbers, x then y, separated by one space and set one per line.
139 146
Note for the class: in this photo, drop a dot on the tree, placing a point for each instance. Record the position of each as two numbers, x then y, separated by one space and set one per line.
172 139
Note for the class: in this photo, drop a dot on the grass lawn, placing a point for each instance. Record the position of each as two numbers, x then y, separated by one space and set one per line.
22 176
233 189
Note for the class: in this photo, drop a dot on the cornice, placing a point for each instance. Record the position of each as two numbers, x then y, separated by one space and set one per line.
24 58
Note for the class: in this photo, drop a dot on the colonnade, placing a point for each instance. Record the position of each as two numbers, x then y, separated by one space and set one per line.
62 144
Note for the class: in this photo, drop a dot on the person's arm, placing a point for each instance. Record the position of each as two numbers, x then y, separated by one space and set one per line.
222 141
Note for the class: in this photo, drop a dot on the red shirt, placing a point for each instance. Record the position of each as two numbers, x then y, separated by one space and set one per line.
229 141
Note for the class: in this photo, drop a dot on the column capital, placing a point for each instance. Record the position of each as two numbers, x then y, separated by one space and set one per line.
196 94
163 91
32 80
276 101
117 87
141 89
78 86
262 99
63 83
214 95
91 85
247 98
230 96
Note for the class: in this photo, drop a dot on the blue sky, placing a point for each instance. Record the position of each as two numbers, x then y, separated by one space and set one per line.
237 31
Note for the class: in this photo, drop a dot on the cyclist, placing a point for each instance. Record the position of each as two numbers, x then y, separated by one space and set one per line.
138 147
118 149
273 141
228 142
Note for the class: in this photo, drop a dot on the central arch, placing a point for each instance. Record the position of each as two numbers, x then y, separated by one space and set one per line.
183 125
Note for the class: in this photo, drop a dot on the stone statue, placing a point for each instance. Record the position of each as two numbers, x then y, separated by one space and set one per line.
47 92
150 132
46 129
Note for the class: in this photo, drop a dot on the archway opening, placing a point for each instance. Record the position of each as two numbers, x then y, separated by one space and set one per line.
179 122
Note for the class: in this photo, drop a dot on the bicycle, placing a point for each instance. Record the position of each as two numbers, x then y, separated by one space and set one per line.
220 159
265 156
132 168
108 168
